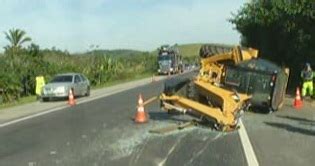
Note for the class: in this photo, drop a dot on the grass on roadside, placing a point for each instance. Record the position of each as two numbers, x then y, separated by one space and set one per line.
21 101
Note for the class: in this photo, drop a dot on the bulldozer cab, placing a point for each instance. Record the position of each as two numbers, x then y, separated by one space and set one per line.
263 80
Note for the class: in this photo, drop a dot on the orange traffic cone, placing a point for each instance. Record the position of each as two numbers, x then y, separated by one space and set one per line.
141 116
297 101
71 100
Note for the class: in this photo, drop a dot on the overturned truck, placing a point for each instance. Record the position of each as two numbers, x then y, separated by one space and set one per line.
230 81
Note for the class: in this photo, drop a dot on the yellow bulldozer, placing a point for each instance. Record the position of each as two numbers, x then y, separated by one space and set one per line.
230 81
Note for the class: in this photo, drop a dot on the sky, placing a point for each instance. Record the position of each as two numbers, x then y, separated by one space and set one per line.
76 25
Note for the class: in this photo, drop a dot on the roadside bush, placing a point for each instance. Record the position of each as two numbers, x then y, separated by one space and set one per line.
18 72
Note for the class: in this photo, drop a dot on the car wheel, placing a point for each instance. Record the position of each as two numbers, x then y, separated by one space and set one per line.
45 99
88 92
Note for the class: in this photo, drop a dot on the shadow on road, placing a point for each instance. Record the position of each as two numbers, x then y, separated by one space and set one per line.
260 110
301 120
291 128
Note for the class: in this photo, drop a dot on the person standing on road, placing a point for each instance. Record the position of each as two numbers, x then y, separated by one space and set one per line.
307 78
40 82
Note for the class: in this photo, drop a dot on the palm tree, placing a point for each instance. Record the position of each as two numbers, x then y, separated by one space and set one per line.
16 37
33 49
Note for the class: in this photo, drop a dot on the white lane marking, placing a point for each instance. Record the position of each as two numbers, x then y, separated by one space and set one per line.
247 146
66 106
31 116
56 109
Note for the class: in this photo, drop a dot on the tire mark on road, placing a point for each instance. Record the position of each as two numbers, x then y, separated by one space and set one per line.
138 152
204 148
161 163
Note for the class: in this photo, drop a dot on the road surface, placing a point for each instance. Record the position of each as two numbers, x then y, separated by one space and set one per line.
101 132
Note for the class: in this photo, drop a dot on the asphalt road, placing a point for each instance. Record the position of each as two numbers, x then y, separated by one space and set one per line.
285 137
101 132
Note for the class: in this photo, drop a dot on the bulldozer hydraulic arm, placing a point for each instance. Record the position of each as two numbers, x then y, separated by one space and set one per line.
215 113
231 103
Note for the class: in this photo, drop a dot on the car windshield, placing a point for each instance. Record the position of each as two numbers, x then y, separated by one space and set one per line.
66 78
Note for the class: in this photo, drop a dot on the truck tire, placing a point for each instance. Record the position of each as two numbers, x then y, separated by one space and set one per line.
204 51
209 50
44 99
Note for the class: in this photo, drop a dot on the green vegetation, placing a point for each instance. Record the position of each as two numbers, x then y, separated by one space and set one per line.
23 100
22 61
21 64
282 30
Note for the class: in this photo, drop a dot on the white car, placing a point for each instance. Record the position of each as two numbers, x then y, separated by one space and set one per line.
61 84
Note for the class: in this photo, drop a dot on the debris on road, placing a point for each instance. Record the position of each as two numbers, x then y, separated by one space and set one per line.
83 136
173 128
53 152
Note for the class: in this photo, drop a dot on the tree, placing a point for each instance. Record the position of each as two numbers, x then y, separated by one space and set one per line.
282 30
33 50
17 38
